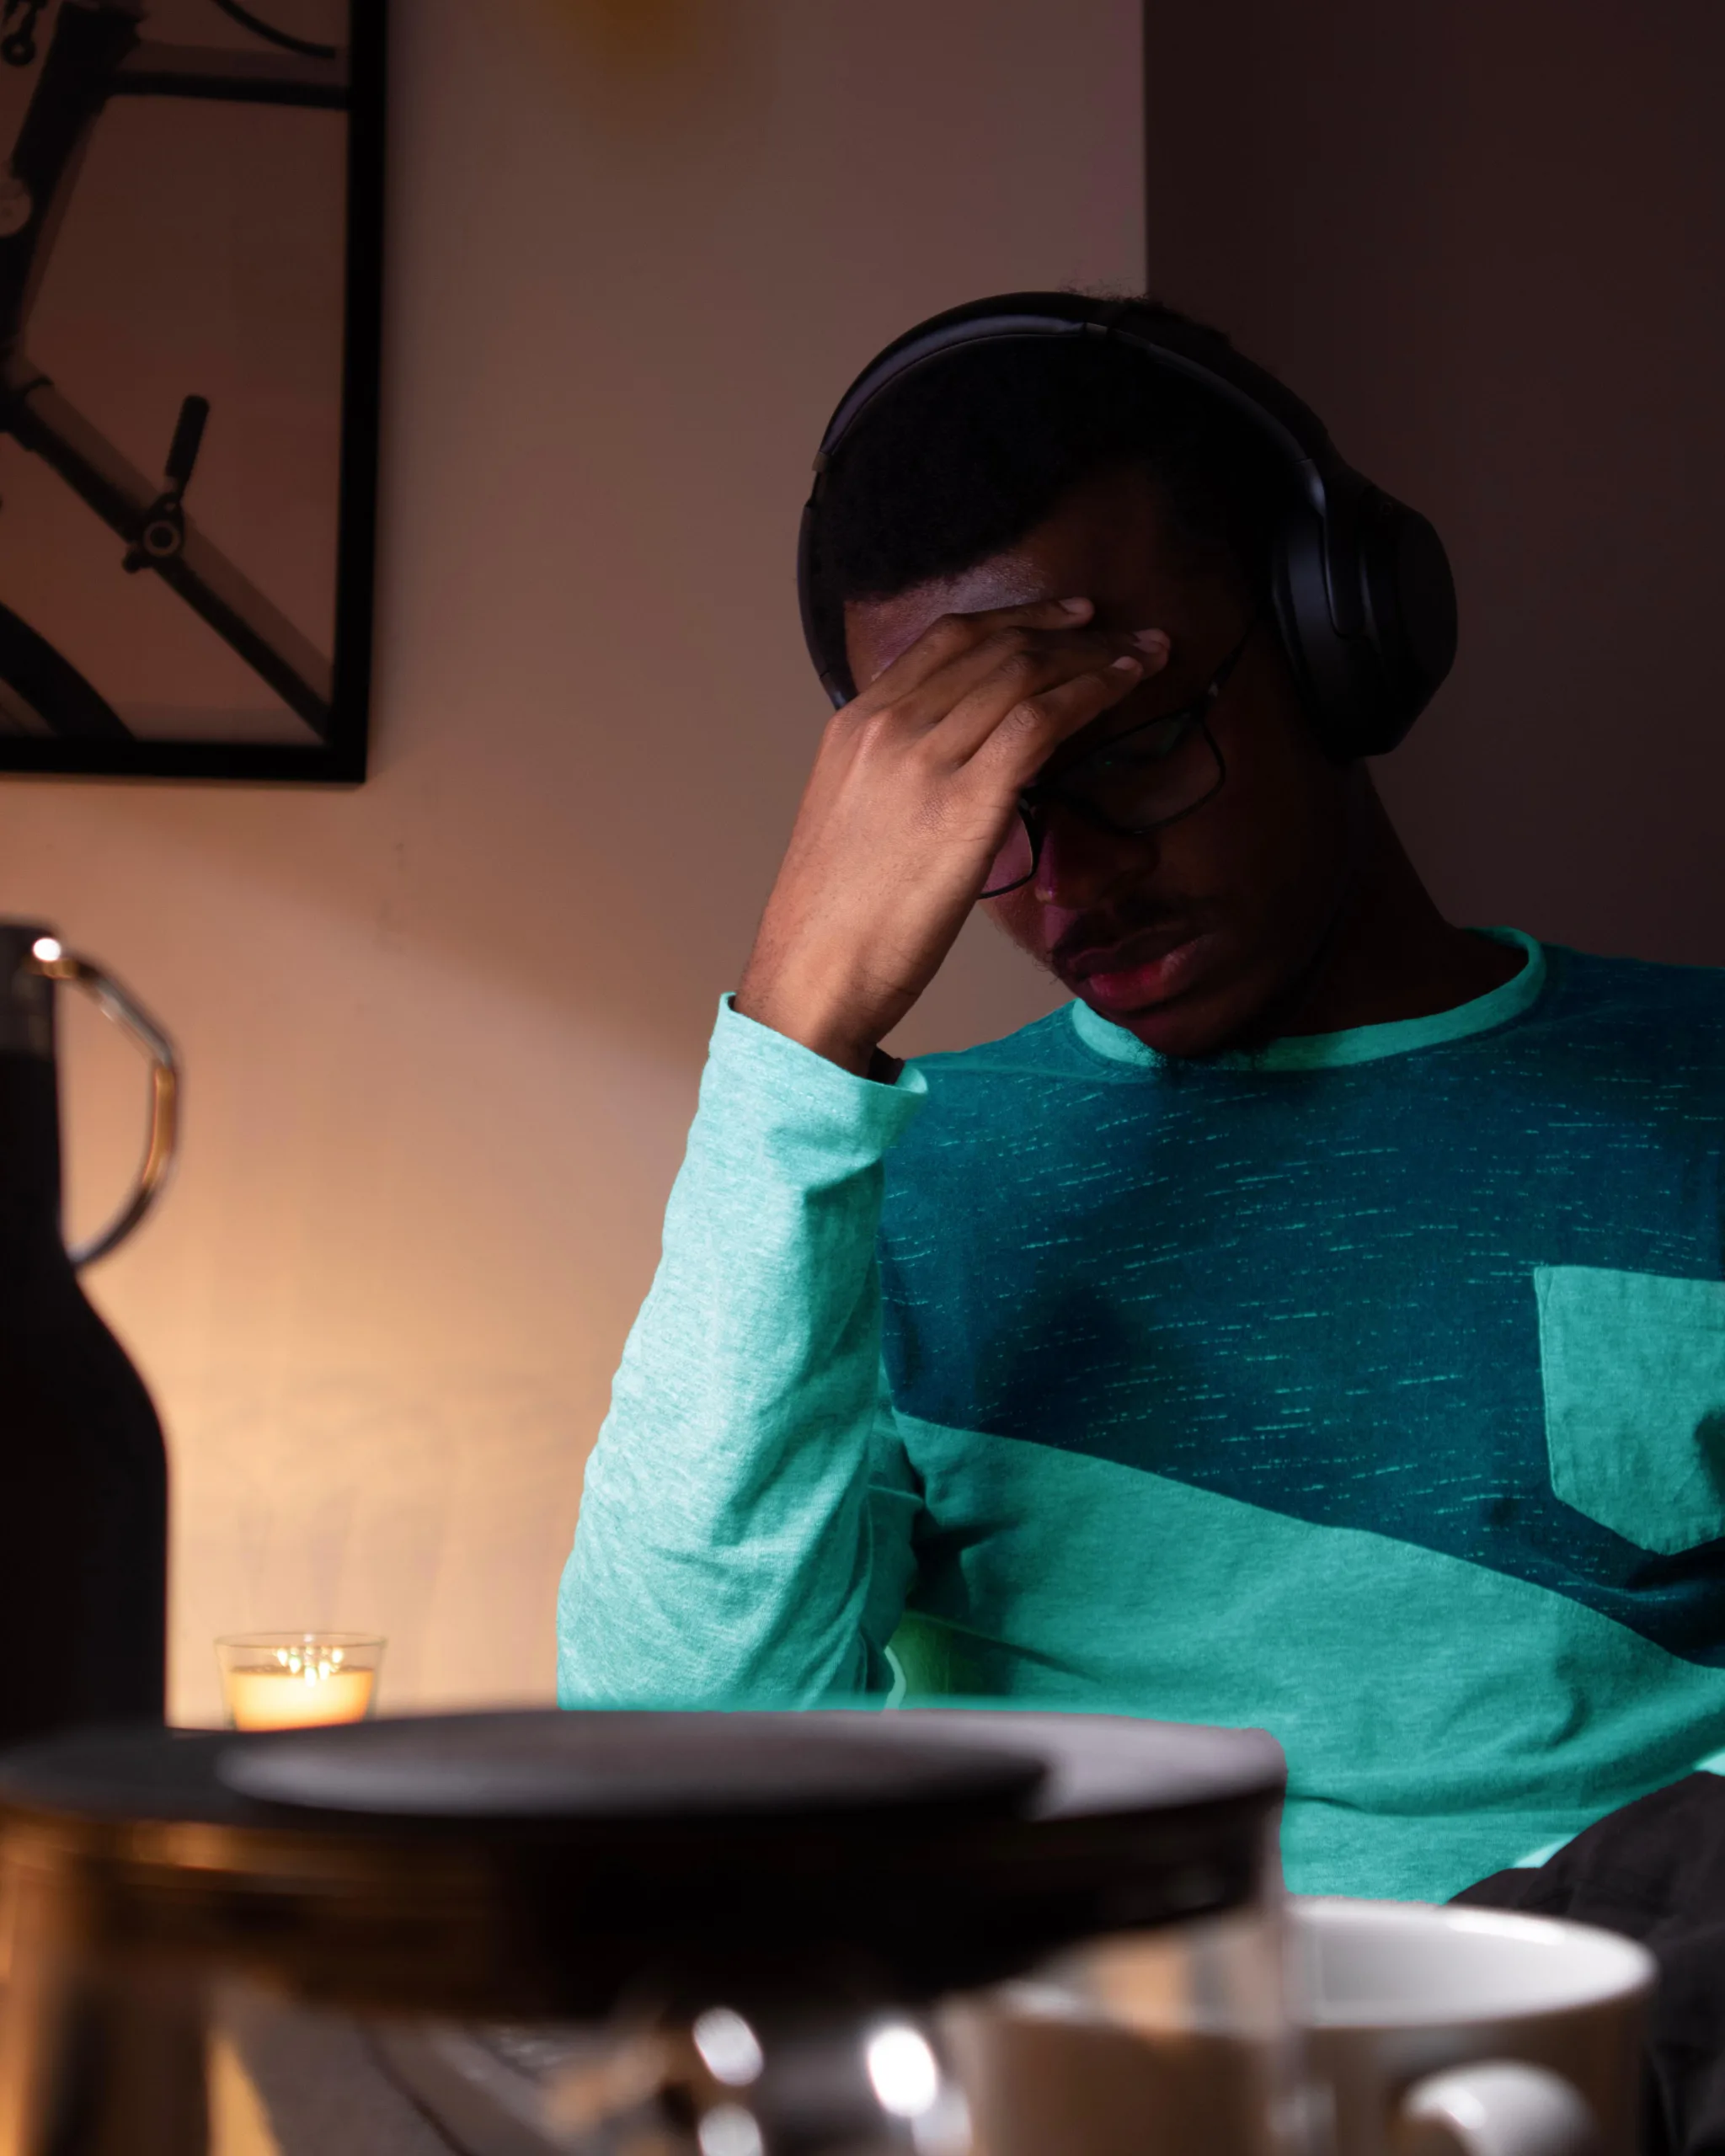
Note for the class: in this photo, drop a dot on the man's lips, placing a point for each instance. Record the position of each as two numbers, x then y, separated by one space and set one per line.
1145 968
1142 947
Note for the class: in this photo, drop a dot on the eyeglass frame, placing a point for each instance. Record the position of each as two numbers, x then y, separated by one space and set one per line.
1194 714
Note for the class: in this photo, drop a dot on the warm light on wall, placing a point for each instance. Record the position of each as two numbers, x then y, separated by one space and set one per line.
442 1035
640 33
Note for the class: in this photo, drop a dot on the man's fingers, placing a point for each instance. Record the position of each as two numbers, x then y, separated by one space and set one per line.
1021 741
1023 676
1018 685
953 635
967 697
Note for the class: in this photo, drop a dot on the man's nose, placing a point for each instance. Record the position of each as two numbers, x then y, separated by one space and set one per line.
1082 865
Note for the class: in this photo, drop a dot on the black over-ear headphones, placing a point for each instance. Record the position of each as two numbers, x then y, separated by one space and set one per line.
1361 586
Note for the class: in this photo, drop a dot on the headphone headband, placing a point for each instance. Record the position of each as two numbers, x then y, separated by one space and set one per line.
1361 587
1293 428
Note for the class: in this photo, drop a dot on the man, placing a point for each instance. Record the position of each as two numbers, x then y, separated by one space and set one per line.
1317 1323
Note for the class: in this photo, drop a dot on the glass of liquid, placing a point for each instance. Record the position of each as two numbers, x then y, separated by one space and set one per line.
297 1680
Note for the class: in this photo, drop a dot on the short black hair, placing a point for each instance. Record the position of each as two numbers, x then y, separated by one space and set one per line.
975 449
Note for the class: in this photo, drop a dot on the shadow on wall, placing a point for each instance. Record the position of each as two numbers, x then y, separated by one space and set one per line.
1484 241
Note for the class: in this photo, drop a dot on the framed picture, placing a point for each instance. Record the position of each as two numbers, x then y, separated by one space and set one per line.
190 240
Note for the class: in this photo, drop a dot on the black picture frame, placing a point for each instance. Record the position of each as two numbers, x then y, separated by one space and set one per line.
354 80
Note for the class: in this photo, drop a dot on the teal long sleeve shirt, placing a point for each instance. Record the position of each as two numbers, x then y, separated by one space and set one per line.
1369 1389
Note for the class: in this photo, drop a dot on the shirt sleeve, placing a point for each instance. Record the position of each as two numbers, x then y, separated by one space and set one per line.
746 1519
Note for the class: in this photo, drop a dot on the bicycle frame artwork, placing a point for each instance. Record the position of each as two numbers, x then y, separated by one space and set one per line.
190 233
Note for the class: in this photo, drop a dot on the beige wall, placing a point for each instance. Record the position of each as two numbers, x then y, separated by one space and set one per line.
443 1032
1484 237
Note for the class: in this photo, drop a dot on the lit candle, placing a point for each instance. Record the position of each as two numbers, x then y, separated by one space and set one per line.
296 1689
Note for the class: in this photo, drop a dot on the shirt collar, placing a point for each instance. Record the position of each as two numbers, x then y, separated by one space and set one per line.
1357 1044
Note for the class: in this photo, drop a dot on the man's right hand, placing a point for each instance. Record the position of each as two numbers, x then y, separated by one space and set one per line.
911 800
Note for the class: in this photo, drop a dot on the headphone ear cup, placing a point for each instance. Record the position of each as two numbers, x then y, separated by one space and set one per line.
1362 691
1410 603
1324 665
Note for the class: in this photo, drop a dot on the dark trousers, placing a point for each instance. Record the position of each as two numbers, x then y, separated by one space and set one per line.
1656 1872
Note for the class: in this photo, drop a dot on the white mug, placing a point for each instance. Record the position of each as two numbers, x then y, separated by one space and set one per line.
1424 2032
1467 2029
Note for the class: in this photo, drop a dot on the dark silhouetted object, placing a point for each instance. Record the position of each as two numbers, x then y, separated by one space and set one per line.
1654 1870
83 1575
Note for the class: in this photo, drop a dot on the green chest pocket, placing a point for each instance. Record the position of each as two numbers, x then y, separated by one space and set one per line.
1633 1369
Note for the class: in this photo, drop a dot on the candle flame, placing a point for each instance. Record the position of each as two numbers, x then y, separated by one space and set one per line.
314 1672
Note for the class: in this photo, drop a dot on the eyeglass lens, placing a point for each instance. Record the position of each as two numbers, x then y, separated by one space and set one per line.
1016 861
1148 777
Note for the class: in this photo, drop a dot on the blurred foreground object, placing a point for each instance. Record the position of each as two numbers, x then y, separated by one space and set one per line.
83 1583
612 1934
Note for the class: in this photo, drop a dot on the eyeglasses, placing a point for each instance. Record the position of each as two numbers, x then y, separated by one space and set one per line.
1150 775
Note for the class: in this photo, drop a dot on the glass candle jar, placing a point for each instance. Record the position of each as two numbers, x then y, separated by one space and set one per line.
298 1680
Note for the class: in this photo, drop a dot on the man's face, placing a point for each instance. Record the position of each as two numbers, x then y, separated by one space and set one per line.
1195 935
